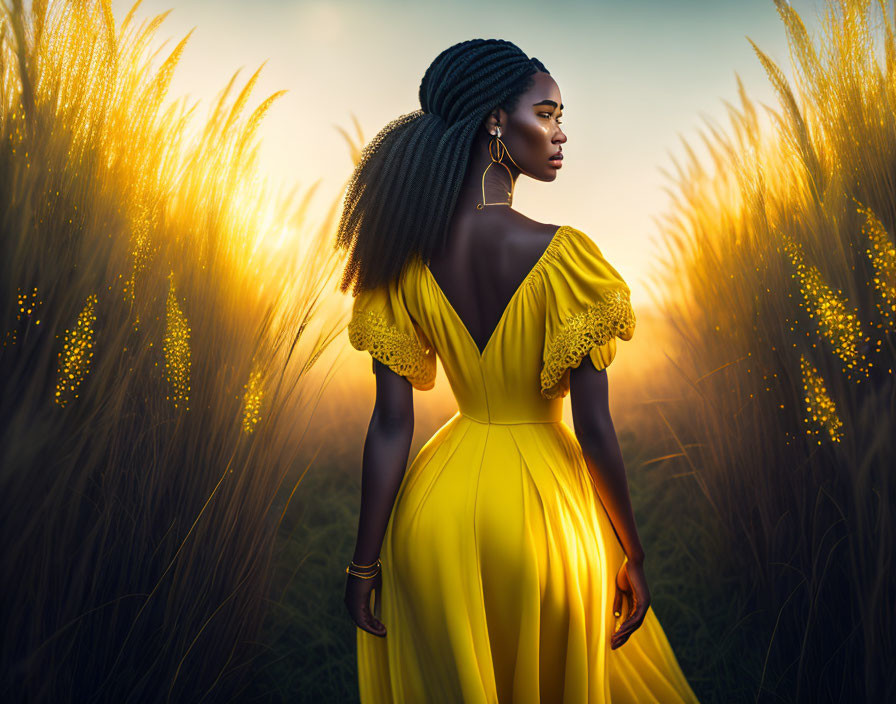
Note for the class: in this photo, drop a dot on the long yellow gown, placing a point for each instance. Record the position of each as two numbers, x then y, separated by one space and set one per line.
499 559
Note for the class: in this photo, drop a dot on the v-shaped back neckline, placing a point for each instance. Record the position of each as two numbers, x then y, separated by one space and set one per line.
480 353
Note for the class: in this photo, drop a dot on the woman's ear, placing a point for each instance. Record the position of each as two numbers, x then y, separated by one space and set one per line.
492 121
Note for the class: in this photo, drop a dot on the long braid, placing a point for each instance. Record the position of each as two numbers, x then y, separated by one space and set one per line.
403 191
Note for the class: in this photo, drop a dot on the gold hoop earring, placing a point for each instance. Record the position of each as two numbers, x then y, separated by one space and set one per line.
497 145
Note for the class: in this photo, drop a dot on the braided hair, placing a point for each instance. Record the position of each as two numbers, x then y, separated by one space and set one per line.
402 193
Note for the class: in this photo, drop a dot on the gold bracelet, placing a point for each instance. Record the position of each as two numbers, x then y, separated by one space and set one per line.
364 571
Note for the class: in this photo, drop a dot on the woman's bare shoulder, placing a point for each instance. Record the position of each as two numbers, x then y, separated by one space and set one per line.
528 234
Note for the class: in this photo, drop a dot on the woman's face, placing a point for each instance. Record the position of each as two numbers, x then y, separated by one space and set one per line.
532 132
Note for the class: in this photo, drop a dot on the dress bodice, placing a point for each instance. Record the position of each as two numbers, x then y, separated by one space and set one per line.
571 303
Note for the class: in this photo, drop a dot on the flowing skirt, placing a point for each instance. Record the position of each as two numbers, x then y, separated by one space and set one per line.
498 575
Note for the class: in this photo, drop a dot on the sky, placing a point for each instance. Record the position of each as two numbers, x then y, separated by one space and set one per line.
635 77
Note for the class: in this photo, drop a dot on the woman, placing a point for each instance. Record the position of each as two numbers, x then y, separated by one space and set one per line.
494 558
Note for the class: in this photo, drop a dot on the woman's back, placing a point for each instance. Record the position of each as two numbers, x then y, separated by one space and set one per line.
484 263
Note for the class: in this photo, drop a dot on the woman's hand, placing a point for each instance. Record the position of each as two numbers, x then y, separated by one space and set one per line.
357 601
630 582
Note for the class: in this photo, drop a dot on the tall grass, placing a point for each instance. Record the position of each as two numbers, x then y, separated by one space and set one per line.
780 281
160 318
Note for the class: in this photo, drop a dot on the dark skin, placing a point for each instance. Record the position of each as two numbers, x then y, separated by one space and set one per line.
489 252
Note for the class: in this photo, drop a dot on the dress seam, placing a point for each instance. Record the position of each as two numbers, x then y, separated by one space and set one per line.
520 422
476 544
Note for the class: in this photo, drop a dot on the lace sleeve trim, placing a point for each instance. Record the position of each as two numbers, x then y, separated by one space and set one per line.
401 351
595 326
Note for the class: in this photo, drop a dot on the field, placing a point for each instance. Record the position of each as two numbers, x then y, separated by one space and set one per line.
178 499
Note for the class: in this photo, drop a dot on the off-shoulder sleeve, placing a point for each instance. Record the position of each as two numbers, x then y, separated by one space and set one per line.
380 323
587 306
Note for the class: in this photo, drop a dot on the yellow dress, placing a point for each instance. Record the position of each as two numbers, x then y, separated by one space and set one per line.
499 560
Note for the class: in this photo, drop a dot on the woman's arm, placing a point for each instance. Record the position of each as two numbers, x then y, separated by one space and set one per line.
600 447
384 461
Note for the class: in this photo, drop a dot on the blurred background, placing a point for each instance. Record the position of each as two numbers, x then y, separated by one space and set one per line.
636 78
182 417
